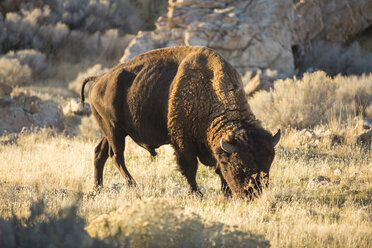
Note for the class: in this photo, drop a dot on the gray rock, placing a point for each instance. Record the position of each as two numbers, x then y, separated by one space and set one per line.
337 172
28 111
75 107
255 34
321 180
251 35
14 119
367 123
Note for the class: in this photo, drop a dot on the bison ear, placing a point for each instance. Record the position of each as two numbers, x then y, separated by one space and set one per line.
227 147
276 138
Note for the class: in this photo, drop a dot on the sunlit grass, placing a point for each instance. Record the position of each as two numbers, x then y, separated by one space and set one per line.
294 211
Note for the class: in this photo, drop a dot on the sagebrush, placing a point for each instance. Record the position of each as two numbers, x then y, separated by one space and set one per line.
314 99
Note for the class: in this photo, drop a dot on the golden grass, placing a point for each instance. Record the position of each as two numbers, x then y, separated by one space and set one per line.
294 211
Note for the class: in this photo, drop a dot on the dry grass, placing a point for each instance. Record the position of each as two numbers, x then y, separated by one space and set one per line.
295 211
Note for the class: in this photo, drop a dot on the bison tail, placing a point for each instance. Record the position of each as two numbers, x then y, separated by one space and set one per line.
83 86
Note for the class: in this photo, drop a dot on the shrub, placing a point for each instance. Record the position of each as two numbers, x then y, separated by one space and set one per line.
68 29
42 229
157 223
35 60
314 99
112 44
12 72
355 92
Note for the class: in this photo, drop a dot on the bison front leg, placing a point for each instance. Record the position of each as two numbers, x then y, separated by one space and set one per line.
188 165
101 153
224 187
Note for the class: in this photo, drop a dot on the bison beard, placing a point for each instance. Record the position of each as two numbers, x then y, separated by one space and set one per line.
191 98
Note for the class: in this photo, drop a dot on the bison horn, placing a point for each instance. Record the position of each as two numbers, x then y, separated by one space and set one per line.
227 147
276 138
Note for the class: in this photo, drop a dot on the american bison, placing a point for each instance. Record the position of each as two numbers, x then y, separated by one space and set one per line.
191 98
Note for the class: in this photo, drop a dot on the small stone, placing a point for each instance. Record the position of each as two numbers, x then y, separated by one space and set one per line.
367 123
75 107
117 187
336 182
320 180
337 172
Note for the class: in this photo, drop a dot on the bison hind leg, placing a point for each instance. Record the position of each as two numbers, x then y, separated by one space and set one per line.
101 153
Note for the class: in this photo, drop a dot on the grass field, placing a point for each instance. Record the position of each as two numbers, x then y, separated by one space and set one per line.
46 182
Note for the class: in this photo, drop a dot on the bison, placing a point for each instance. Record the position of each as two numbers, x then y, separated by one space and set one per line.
191 98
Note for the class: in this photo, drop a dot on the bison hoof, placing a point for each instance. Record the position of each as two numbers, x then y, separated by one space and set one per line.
197 193
98 187
153 152
132 183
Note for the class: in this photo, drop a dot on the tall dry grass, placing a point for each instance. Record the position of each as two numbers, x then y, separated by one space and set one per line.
297 210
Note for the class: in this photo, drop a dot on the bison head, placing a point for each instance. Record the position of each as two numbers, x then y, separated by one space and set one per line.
245 159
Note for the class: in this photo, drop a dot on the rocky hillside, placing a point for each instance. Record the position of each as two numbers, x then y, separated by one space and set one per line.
284 35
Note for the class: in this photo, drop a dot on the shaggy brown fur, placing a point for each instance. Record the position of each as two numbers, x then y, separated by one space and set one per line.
191 98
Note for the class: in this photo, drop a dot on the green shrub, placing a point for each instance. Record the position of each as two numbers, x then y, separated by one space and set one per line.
312 100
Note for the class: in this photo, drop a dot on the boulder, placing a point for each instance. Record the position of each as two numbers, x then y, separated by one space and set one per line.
330 20
250 35
256 34
14 119
75 107
23 111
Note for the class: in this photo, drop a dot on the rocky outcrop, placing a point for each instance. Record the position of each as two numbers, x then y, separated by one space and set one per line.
20 111
255 34
249 34
330 20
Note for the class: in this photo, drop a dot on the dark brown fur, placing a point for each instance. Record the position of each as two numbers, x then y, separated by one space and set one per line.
189 97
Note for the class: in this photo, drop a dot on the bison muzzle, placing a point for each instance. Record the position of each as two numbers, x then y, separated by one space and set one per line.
191 98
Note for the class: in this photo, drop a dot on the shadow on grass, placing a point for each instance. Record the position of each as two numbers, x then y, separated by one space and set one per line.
148 223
